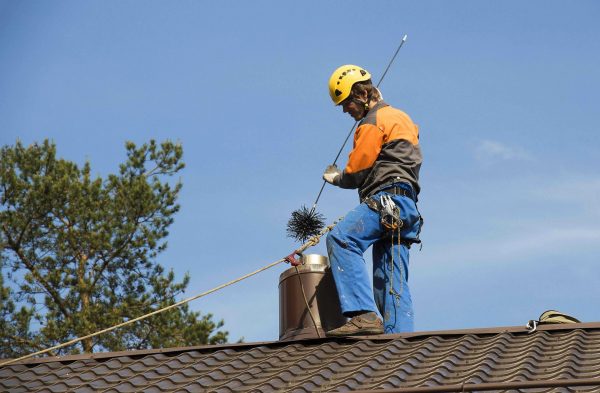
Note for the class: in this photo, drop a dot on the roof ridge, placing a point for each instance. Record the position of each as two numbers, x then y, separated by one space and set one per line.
384 337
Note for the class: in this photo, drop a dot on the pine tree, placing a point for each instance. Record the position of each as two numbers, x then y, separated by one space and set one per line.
78 253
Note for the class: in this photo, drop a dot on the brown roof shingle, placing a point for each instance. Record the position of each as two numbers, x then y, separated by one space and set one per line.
392 362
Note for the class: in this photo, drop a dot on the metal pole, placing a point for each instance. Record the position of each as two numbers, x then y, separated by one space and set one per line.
356 123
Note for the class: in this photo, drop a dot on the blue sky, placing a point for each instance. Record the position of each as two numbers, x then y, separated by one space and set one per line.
505 93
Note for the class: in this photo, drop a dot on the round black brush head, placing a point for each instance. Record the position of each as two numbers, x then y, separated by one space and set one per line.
304 224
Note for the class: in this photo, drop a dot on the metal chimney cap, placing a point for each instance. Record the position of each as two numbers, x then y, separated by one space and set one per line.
311 263
314 259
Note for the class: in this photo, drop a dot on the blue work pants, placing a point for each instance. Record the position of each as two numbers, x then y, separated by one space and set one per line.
346 244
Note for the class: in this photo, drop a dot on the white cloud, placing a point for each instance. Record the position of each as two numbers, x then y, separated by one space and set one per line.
546 214
582 191
527 244
488 151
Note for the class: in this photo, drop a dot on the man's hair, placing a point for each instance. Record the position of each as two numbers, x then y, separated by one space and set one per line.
360 87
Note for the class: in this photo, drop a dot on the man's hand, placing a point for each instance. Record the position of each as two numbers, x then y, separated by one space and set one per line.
332 175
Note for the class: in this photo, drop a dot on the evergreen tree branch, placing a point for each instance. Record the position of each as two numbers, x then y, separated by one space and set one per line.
47 287
114 254
35 346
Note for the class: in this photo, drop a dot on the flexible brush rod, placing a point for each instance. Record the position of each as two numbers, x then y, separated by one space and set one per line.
356 123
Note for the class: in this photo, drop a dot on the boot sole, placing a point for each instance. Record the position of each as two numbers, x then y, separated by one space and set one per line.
362 332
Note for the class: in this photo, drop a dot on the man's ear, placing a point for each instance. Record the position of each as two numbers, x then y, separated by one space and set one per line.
364 95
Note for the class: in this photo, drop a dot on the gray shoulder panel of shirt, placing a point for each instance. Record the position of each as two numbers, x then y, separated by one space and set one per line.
371 117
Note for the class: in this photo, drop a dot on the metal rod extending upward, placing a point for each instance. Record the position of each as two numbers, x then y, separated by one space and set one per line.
356 123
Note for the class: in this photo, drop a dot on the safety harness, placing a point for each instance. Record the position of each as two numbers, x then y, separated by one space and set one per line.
389 213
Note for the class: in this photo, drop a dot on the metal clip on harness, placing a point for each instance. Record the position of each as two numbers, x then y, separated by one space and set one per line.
389 213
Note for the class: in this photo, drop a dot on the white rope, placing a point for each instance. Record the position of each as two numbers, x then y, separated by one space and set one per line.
129 322
311 242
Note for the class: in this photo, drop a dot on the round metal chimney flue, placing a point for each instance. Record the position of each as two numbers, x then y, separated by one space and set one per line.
314 276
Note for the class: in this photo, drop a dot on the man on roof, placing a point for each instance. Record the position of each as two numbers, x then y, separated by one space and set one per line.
384 166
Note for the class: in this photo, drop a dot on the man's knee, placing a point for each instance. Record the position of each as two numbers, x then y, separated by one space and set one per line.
335 239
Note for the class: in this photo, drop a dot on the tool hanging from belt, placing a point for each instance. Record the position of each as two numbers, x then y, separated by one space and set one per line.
389 216
389 213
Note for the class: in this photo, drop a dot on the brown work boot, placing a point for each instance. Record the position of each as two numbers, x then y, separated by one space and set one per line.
363 324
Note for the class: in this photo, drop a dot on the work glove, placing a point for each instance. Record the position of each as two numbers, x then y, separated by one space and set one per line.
332 175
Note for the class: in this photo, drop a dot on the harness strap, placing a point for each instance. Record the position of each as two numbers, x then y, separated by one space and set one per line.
394 190
399 191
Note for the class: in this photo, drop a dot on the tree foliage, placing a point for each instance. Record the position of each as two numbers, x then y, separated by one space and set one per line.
78 253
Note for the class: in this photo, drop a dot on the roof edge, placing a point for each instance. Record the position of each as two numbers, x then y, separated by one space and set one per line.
382 337
493 330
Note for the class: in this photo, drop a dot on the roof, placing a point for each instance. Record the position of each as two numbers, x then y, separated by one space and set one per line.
451 360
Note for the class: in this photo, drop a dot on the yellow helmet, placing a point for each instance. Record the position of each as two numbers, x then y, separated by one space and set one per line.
342 80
